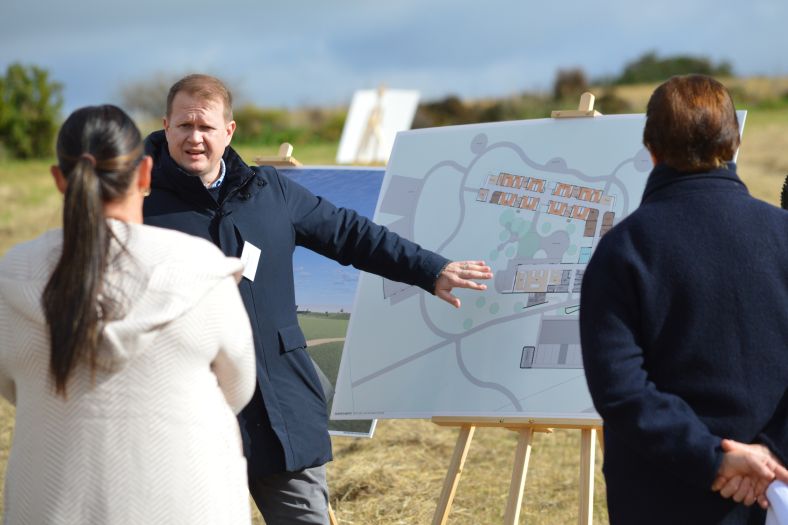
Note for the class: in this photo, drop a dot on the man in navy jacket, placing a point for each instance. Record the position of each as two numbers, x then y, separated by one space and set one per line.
202 187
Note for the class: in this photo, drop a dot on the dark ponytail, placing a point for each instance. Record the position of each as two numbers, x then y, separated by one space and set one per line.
98 149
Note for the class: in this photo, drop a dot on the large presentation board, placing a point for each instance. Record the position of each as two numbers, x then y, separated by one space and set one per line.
373 120
532 198
325 289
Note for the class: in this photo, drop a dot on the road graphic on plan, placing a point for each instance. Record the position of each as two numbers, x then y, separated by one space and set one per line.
534 207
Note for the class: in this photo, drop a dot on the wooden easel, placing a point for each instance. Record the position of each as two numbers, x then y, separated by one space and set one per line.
525 427
283 159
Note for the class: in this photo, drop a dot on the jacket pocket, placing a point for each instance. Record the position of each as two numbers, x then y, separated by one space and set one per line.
290 338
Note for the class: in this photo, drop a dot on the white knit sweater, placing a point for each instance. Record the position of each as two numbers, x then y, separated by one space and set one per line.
154 439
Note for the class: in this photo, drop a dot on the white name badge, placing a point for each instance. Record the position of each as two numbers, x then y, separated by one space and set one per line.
250 256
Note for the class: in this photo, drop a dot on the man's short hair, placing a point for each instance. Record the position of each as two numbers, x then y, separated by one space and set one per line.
784 194
204 87
691 124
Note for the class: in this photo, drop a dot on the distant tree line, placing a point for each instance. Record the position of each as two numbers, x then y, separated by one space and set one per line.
568 85
30 104
271 126
267 126
650 68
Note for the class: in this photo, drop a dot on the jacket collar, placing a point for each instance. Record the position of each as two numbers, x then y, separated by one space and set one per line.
167 174
664 180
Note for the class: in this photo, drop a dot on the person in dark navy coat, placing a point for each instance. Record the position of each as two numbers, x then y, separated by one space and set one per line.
784 194
202 187
684 327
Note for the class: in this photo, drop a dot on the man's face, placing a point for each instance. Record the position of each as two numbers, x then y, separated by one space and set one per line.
197 135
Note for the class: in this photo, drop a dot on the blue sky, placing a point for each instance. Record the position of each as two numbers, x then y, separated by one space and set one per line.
323 285
318 52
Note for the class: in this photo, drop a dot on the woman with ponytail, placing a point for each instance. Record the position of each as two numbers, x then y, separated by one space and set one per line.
126 350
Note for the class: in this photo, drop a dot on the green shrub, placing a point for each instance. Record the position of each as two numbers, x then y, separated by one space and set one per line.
29 111
650 68
261 126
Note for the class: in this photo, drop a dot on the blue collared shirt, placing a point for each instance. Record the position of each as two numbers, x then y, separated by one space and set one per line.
222 172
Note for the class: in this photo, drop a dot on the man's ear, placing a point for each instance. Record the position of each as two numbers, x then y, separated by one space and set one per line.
230 128
165 123
60 180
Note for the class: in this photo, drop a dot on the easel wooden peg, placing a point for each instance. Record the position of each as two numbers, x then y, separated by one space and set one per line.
584 109
284 158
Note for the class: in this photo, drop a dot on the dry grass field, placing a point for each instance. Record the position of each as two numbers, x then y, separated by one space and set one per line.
396 477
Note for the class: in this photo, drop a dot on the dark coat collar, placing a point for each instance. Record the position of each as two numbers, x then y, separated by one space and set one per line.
664 179
168 175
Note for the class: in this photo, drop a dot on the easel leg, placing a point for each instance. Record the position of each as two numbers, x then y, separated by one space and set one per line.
332 519
453 475
587 451
521 457
601 438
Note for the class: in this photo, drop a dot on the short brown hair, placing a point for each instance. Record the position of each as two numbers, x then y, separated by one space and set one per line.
205 87
691 124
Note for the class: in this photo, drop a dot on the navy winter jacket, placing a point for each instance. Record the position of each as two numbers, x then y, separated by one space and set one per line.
684 329
285 426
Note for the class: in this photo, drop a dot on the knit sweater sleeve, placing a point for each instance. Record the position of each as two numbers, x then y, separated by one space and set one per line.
660 425
234 363
7 389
